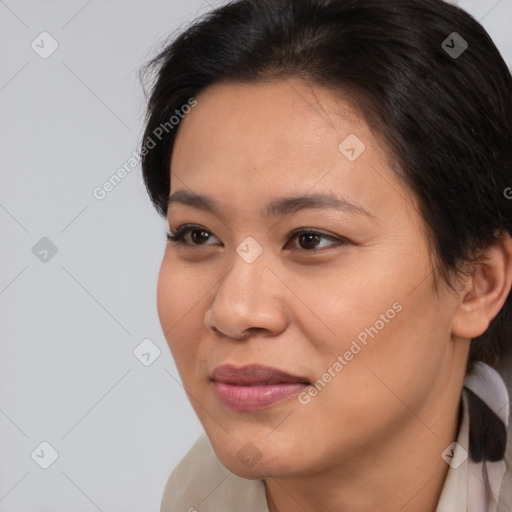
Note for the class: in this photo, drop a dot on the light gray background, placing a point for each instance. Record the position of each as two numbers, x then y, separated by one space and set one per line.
69 326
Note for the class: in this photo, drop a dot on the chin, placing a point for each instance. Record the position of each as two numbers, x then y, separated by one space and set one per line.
257 460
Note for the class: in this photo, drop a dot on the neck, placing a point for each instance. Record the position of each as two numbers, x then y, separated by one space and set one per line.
405 472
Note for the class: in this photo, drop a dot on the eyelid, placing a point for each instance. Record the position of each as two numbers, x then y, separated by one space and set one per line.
315 231
177 237
336 240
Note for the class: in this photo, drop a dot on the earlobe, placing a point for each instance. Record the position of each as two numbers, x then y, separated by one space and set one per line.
485 289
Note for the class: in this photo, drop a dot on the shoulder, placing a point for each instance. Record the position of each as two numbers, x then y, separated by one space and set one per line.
200 483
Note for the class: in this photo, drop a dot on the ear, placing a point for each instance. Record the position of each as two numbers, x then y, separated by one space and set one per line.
485 289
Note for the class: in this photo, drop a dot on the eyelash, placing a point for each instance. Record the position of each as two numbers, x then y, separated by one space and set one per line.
178 237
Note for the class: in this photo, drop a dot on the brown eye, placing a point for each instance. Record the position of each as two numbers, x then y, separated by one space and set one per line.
309 240
199 236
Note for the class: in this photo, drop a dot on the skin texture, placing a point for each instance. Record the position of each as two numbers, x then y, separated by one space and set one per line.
372 438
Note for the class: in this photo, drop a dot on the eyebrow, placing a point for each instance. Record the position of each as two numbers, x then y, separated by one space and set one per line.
275 208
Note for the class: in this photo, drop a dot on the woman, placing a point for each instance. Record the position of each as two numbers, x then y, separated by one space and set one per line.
335 289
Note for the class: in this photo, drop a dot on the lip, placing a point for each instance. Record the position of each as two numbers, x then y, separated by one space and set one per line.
254 387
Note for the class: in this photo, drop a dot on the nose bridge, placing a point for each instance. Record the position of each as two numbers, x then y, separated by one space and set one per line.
247 295
246 281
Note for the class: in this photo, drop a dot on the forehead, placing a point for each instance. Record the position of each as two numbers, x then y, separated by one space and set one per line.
275 119
243 142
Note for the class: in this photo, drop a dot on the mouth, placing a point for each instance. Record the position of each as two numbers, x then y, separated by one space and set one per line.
255 387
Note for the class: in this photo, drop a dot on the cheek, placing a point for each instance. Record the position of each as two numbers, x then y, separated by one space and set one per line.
395 359
181 293
385 322
165 296
364 292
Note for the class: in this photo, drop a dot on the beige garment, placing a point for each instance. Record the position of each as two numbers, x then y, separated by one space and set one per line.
201 483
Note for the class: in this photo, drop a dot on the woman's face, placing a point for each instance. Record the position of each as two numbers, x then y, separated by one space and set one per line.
349 309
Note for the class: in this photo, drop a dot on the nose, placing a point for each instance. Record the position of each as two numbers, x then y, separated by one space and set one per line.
250 298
